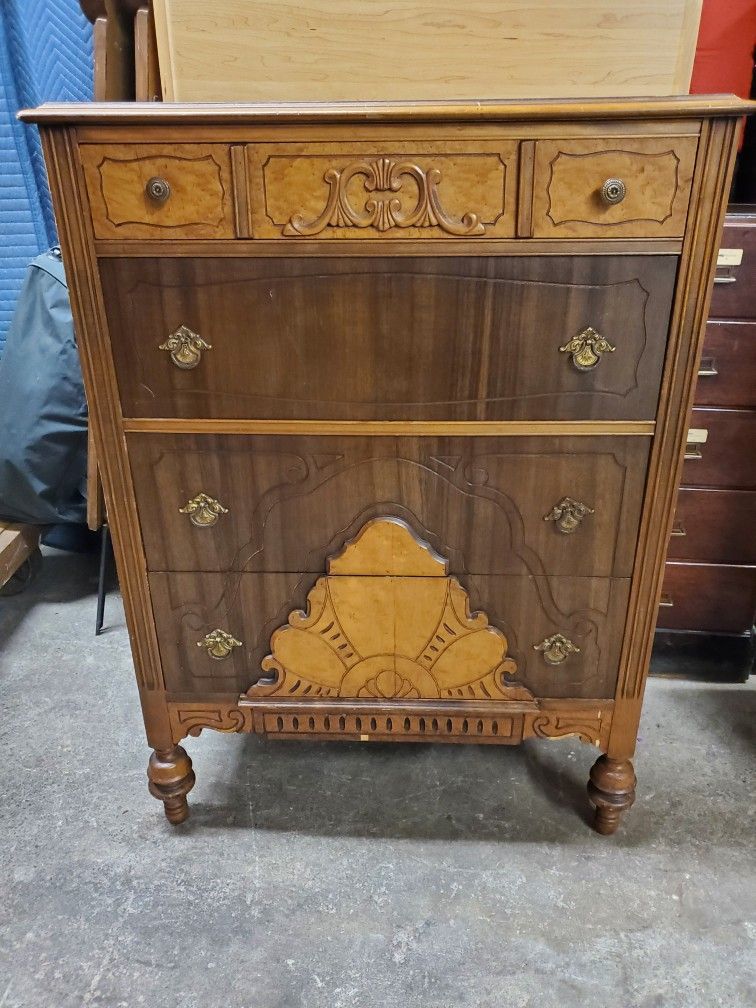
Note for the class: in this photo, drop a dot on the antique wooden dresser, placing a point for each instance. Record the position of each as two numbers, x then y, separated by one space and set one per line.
391 402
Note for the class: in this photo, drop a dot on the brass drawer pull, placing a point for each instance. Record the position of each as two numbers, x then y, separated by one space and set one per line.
708 368
203 510
613 191
556 649
185 348
586 349
568 514
665 602
678 530
158 189
219 644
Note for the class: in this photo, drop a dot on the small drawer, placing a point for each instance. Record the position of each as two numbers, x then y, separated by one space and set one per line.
735 278
721 451
436 189
727 373
629 187
247 608
714 526
149 191
381 338
708 597
557 506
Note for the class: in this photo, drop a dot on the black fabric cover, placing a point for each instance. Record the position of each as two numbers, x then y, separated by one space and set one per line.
43 412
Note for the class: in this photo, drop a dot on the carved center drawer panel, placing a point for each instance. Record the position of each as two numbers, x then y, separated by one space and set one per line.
150 191
557 506
407 190
631 187
381 338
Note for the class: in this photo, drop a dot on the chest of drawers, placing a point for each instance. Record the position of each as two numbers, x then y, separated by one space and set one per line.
391 406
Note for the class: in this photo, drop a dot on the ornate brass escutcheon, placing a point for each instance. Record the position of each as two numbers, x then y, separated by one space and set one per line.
556 649
568 514
586 349
219 644
203 510
185 347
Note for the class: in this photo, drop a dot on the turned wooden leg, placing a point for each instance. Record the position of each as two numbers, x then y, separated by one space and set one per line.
171 778
611 789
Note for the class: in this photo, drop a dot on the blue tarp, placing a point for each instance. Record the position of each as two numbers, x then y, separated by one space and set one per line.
45 55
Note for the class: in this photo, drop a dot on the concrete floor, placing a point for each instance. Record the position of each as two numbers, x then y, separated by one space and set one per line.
347 876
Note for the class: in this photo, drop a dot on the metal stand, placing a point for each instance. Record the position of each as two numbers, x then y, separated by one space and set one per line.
104 551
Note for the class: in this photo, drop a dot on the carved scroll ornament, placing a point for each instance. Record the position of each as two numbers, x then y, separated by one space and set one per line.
388 623
384 209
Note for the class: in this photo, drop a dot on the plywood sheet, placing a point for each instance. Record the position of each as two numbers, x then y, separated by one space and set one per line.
359 50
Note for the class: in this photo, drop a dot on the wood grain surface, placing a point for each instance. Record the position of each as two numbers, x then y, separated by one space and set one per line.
481 503
369 339
359 50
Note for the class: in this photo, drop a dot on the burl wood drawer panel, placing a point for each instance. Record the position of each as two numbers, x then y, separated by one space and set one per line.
438 189
709 597
727 374
490 505
714 526
628 187
725 459
415 339
157 191
734 284
589 612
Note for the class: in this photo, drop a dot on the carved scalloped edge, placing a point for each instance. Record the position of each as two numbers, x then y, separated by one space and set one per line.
490 722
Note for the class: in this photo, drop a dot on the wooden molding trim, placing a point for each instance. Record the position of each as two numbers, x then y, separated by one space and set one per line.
588 720
716 154
73 218
391 428
683 106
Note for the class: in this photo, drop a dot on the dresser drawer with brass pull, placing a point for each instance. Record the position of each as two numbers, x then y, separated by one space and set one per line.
562 635
600 188
566 505
536 337
156 191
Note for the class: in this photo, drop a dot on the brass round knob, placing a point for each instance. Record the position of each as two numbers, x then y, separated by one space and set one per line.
613 191
158 189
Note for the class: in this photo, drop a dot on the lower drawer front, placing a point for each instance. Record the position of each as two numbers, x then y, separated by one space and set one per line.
725 459
727 374
708 597
714 526
485 504
588 612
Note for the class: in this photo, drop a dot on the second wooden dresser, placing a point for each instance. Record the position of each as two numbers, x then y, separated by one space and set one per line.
390 402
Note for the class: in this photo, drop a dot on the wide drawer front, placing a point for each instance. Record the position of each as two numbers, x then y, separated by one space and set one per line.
382 338
628 187
215 631
432 189
490 505
155 191
725 458
714 526
708 597
727 374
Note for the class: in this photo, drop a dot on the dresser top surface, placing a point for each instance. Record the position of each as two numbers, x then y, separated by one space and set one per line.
157 113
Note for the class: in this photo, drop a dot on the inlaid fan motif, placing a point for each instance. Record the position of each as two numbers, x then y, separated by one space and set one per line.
388 622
